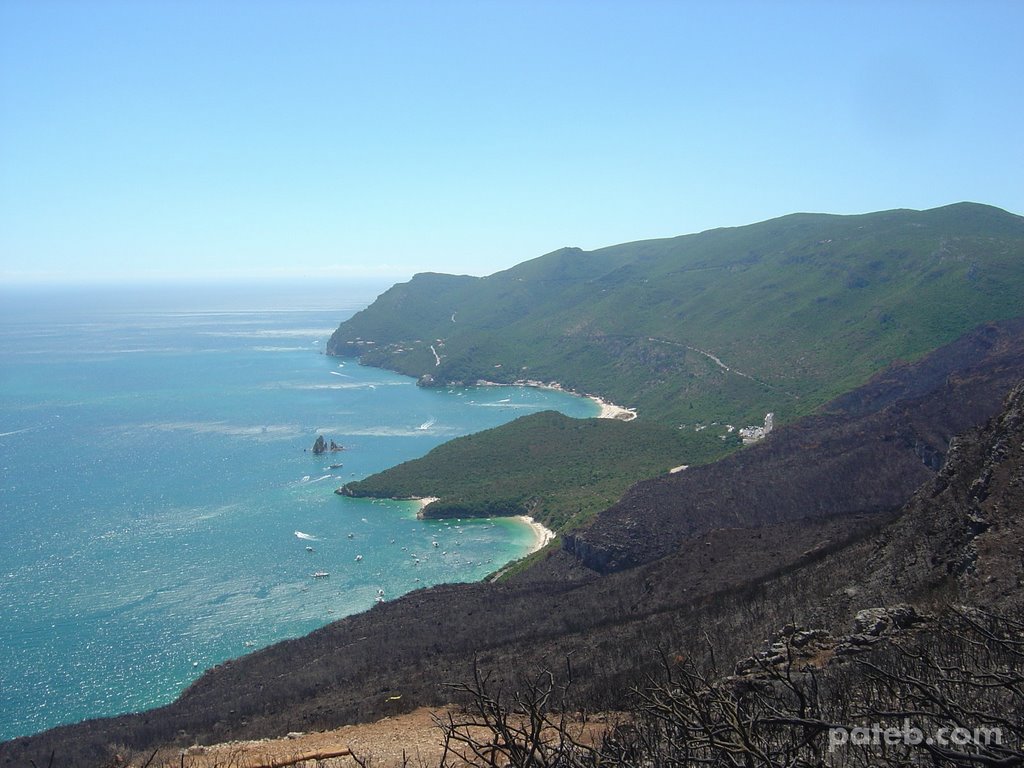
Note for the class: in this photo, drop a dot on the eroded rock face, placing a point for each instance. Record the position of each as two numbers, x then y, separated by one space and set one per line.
871 622
875 622
806 648
794 644
905 616
962 531
320 445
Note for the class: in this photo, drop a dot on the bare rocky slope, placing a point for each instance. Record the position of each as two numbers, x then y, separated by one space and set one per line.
811 533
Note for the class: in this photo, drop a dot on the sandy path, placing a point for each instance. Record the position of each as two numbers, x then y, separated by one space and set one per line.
385 744
412 740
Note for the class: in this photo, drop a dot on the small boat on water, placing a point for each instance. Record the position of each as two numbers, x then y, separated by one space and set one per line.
321 575
359 558
336 466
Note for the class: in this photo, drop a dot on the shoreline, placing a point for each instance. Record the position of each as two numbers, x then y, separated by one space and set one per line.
613 411
609 410
542 535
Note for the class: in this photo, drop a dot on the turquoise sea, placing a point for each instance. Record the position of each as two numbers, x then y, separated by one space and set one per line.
154 480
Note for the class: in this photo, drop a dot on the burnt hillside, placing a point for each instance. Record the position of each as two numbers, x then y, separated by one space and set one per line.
867 451
734 580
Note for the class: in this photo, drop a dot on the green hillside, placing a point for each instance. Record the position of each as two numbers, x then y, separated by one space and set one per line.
557 469
724 325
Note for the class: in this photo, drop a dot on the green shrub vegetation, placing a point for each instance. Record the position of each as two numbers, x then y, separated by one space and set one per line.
557 469
696 332
800 309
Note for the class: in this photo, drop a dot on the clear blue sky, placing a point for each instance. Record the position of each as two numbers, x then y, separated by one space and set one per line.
149 138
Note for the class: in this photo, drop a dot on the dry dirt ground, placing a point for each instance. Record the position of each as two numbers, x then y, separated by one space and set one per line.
414 740
385 743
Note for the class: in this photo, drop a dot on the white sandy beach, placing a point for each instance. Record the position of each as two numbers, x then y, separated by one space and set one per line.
608 410
541 534
613 411
423 504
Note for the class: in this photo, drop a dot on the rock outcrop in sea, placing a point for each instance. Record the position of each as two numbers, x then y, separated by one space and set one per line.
322 446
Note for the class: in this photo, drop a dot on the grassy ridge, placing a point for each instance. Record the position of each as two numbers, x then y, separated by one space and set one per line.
694 331
800 308
557 469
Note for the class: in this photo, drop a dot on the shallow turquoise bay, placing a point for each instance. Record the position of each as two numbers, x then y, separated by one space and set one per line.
153 477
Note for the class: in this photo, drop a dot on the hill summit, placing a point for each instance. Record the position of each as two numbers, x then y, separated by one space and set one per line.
725 325
886 499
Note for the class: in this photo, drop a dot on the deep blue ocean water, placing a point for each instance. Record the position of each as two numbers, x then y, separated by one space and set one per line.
153 477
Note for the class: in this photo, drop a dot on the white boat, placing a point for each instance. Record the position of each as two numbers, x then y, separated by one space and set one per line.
321 575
